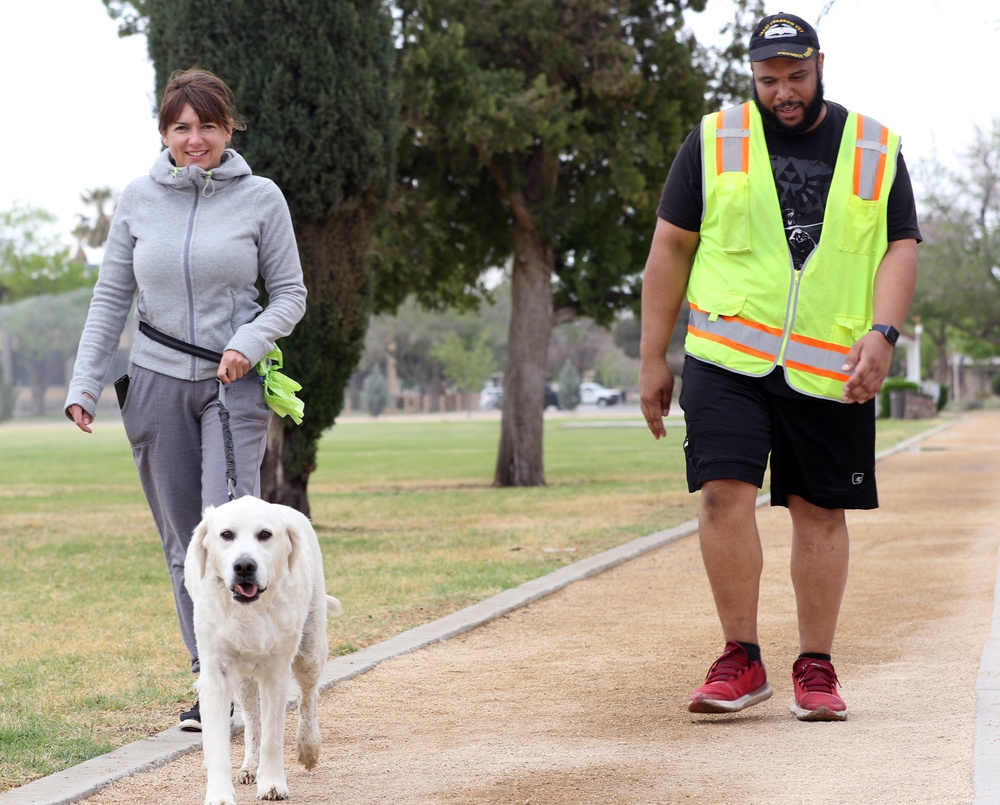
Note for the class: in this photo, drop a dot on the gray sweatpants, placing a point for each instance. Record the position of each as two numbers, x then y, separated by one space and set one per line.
176 436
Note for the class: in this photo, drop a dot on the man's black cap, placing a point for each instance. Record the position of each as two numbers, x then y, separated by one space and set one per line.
783 35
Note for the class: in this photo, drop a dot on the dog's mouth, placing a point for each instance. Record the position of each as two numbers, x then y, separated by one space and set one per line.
246 593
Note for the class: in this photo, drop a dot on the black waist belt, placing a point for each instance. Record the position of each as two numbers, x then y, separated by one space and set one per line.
181 346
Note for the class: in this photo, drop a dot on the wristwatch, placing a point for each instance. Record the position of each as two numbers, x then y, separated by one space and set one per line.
891 333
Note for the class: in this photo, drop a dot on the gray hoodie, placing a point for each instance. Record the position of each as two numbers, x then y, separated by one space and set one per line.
187 245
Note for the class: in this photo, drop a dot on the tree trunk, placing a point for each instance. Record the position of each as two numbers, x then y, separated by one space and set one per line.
323 351
519 462
36 382
275 487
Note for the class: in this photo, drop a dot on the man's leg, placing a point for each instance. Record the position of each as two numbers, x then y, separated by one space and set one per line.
820 554
820 557
731 551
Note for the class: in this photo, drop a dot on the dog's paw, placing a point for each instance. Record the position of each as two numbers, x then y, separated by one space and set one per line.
272 792
220 798
308 754
246 776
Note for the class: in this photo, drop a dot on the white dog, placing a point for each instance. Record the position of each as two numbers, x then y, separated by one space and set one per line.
255 575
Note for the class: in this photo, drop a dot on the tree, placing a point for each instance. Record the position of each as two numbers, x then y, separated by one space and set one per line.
45 330
93 230
33 261
375 392
467 363
43 303
539 132
313 81
569 387
729 79
407 339
131 15
957 299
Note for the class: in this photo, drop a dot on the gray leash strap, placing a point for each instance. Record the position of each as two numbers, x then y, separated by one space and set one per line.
227 442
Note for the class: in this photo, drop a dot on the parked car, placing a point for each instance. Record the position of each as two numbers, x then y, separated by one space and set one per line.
491 397
596 394
551 398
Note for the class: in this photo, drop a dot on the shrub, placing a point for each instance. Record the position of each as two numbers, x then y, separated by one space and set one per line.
569 387
375 392
893 384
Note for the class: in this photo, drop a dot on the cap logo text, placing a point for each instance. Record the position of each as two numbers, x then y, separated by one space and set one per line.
781 30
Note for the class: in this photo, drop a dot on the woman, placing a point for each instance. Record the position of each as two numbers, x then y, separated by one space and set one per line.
187 245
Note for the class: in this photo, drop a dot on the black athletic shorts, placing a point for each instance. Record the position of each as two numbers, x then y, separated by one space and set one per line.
820 450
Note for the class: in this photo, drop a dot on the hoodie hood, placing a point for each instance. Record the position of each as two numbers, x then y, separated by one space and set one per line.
208 182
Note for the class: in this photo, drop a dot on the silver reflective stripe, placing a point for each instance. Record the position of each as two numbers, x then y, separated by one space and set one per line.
815 357
737 333
871 152
732 135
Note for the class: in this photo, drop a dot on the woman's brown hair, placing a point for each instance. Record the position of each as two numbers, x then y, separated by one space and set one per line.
208 95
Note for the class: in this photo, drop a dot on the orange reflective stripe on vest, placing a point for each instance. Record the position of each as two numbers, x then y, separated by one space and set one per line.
816 357
732 139
869 158
757 340
749 337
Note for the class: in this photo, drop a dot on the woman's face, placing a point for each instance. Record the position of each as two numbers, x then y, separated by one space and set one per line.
192 142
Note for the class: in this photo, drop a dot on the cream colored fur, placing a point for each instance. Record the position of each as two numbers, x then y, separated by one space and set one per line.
255 574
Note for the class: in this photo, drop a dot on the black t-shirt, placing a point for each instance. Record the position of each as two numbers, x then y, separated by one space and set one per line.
803 168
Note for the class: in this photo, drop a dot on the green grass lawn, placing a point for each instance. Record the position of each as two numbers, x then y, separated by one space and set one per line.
410 526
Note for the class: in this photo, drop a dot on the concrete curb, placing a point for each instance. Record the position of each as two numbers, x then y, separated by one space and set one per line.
87 778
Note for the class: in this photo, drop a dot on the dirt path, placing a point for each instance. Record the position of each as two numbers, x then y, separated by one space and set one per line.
580 697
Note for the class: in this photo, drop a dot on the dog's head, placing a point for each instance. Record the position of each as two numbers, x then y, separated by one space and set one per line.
247 544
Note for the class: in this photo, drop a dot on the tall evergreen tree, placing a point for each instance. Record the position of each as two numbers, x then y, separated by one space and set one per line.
536 132
312 79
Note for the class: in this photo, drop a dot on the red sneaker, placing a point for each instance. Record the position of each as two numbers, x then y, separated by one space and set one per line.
816 696
733 683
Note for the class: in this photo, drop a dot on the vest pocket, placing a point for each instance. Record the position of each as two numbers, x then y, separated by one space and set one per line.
848 329
732 191
861 220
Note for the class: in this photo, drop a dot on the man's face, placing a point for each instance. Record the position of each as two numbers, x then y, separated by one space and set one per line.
789 93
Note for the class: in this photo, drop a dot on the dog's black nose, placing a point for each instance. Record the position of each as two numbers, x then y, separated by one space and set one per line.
245 568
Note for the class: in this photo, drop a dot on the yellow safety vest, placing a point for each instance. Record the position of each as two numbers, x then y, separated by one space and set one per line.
750 309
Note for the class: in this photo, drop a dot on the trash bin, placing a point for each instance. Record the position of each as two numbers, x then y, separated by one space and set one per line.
897 404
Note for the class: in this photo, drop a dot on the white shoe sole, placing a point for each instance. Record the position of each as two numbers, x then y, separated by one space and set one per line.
819 714
734 706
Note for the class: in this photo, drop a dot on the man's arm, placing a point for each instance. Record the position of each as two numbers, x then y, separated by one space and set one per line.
664 285
870 357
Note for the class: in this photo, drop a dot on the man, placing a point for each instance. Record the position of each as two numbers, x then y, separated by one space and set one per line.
790 225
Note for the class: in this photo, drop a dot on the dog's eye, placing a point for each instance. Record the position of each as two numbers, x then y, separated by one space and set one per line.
228 535
264 535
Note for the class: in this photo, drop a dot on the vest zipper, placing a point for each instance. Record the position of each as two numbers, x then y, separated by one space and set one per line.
791 308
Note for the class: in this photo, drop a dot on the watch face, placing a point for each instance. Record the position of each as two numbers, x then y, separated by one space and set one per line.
890 332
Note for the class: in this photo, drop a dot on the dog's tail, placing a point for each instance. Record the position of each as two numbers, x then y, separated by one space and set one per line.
333 605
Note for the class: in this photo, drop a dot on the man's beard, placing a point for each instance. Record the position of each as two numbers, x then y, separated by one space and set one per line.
810 113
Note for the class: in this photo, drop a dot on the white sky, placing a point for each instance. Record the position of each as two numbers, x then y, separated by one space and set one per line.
78 100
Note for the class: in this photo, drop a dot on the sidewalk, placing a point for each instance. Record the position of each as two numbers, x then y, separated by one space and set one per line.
572 688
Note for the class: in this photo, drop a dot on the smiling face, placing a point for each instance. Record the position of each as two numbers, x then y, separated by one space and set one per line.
196 143
247 545
789 93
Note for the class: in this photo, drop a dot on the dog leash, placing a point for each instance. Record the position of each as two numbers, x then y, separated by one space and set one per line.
227 442
216 357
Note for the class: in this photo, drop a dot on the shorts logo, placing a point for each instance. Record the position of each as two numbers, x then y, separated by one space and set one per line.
857 478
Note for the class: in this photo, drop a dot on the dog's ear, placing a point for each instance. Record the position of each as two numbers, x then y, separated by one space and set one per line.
297 526
197 547
293 529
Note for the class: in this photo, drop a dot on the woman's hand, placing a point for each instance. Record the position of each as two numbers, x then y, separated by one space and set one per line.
233 366
80 417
